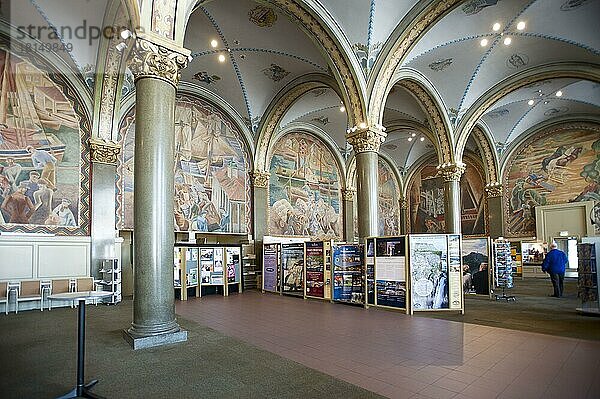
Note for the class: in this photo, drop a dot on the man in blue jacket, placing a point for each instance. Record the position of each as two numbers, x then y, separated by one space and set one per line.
554 264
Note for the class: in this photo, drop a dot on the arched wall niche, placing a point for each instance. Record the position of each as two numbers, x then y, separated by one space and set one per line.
425 198
556 164
305 186
212 165
44 144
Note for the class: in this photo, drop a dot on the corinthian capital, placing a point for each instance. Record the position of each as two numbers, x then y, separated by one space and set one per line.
451 171
260 179
104 151
493 189
150 59
348 194
367 139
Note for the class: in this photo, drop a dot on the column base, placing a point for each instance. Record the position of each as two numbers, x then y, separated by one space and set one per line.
149 341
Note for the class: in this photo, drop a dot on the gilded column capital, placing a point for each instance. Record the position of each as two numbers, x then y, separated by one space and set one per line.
366 139
493 190
260 179
451 171
348 194
157 60
104 151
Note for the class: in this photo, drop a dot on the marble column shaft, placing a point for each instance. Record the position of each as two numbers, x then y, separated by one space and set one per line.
452 212
494 208
260 186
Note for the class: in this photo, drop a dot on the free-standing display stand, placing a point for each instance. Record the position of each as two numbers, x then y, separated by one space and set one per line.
348 273
292 269
318 269
271 267
503 268
588 280
477 266
386 272
435 269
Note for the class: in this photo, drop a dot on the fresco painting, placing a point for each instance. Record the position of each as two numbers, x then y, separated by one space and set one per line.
304 189
426 200
212 187
40 152
551 169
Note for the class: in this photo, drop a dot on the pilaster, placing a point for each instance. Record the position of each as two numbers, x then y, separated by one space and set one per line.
493 193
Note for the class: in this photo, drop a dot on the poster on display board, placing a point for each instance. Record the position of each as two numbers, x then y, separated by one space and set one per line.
292 268
211 266
370 266
455 274
390 271
233 264
315 269
429 271
271 267
476 265
348 273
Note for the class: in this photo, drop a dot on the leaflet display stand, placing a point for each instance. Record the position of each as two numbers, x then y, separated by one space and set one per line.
588 280
503 268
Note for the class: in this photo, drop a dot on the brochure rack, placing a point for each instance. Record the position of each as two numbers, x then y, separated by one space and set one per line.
503 268
588 280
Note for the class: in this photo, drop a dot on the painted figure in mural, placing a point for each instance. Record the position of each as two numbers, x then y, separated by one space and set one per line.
12 171
32 184
63 214
42 200
202 222
18 206
42 159
559 151
224 223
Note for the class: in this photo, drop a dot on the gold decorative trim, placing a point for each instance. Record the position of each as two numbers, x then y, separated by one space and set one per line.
493 190
260 179
403 204
153 60
104 151
487 153
348 194
365 140
451 171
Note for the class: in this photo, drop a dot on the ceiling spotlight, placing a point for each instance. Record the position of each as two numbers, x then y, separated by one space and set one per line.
413 135
221 58
342 108
214 43
546 102
483 42
422 139
530 102
410 139
496 27
540 94
125 34
120 47
521 25
507 41
559 93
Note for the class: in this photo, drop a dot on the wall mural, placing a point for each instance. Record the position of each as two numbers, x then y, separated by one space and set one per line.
304 189
44 185
426 200
212 187
550 169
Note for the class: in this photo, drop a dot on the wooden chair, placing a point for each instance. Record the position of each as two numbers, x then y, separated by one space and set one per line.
3 295
86 284
30 290
60 286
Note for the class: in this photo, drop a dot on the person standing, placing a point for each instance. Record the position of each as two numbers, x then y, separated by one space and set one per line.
554 264
42 159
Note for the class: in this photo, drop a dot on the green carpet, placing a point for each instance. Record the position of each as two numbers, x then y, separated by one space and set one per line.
39 361
533 311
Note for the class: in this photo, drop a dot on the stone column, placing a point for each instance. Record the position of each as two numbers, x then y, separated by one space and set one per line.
452 213
348 204
365 143
403 216
260 203
104 155
156 70
493 193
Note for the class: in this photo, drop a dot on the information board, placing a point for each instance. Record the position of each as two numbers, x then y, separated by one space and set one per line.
429 271
233 264
348 273
390 271
370 266
315 269
271 267
292 267
211 266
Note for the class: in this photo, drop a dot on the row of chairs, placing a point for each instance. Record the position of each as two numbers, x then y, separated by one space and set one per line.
38 290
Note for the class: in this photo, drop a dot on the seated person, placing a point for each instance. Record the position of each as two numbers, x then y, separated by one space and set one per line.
481 280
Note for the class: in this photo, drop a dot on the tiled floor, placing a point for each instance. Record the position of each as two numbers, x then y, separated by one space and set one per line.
399 356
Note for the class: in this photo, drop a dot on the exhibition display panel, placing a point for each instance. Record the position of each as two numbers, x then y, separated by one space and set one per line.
348 273
435 268
386 272
477 266
533 254
271 262
588 280
292 269
503 267
318 269
370 271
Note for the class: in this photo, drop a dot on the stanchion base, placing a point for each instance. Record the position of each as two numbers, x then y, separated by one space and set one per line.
85 392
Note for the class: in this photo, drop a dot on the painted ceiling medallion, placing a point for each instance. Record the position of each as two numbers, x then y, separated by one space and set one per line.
319 92
474 6
517 60
441 64
323 120
572 4
556 110
275 72
498 113
390 147
204 77
262 16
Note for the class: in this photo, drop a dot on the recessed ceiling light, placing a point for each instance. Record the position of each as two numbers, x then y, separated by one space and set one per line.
413 135
214 43
410 139
422 138
530 102
546 102
521 25
221 57
125 34
507 41
559 93
483 42
342 108
496 27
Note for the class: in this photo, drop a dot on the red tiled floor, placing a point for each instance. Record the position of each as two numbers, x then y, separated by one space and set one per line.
400 356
